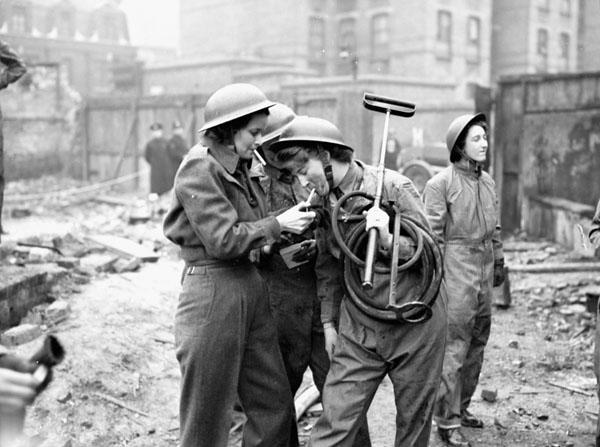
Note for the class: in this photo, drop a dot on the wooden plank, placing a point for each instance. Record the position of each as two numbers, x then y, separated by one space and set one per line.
124 247
555 267
305 400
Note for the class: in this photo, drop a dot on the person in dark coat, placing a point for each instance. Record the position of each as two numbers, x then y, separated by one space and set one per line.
14 68
161 168
178 146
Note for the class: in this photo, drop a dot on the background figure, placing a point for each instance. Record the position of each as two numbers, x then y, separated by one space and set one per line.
595 240
392 153
14 68
161 168
177 147
461 205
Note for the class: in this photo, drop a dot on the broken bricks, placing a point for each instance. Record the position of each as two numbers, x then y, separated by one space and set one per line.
489 395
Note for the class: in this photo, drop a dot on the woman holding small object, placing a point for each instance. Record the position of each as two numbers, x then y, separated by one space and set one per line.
225 337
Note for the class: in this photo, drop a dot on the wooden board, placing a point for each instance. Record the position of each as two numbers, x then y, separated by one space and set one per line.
124 246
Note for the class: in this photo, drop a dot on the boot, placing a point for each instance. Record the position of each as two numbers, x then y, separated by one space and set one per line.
469 420
453 437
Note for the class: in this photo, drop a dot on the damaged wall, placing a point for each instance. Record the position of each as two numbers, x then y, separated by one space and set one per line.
40 126
548 138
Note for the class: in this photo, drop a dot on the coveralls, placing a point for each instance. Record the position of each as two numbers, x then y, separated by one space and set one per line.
595 240
225 336
461 205
162 171
176 148
294 301
368 349
293 292
13 69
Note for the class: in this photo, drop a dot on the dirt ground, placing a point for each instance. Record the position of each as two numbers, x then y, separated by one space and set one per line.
119 382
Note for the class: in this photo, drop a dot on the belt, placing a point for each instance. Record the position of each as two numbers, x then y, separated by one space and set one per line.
200 266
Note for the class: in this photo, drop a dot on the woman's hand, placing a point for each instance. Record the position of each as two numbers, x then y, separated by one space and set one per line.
296 219
379 219
330 339
17 390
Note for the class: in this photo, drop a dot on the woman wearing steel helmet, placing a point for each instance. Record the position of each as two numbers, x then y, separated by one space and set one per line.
226 341
461 206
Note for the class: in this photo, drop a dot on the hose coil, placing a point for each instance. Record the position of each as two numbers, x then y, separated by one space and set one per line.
427 257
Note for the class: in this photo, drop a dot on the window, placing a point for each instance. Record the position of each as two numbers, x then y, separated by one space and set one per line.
346 5
110 29
18 22
444 35
380 3
542 42
565 8
66 27
380 35
346 46
544 6
347 36
473 39
316 43
564 42
542 50
380 43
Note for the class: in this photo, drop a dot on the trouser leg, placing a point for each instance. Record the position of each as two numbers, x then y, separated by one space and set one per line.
354 375
597 367
1 175
447 408
209 353
290 297
417 354
474 359
263 387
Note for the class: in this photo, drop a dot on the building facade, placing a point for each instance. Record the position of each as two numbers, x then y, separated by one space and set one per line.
448 40
83 38
535 36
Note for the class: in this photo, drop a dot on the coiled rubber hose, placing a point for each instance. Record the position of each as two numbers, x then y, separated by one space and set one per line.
427 254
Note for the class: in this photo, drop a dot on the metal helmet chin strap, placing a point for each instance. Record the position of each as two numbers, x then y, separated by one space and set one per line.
474 166
324 159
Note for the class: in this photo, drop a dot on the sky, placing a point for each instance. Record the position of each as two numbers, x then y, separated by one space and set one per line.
152 22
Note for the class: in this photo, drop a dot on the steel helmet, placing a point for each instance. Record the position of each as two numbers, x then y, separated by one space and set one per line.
458 125
305 129
280 116
231 102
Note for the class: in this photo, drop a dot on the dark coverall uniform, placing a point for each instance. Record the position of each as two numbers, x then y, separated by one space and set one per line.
368 349
293 292
462 209
177 148
225 336
595 240
13 70
162 171
294 301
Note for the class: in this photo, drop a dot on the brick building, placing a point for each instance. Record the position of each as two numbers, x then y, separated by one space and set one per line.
85 38
281 42
540 36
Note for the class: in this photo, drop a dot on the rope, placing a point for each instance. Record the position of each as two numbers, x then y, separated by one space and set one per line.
94 187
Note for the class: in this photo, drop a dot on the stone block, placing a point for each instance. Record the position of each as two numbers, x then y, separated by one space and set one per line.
56 312
20 334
